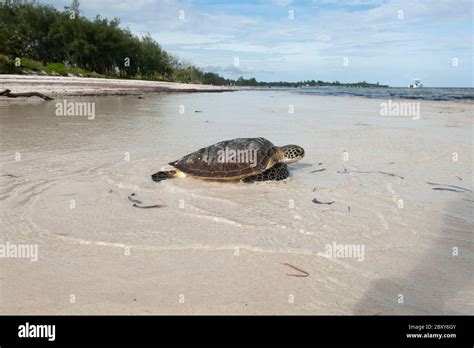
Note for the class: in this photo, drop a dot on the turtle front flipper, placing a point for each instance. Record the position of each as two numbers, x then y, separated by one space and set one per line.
163 175
278 172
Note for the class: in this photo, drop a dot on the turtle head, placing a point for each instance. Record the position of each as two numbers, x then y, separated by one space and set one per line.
291 153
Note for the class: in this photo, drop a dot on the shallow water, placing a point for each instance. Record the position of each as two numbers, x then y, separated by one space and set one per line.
425 93
93 165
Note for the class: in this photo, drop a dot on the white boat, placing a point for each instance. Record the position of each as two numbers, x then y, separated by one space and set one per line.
416 84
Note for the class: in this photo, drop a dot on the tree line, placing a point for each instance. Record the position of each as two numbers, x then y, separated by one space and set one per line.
307 83
42 33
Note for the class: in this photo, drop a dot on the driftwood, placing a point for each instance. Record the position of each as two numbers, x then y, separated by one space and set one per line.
149 206
7 93
319 202
455 187
10 175
446 189
305 274
135 201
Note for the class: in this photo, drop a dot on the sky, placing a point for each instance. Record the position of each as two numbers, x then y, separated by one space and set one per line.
385 41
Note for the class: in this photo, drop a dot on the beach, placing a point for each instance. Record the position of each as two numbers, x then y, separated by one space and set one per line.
393 194
87 86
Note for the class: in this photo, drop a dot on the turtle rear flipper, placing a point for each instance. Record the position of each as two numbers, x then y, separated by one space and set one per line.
163 175
276 173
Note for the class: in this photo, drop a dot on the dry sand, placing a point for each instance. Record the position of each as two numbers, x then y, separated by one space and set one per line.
80 86
220 247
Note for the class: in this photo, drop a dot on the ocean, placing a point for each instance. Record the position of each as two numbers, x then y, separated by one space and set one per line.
388 93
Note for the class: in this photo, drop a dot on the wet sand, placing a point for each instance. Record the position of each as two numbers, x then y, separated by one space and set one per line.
221 247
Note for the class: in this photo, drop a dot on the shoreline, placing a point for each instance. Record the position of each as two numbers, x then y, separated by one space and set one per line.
65 86
57 86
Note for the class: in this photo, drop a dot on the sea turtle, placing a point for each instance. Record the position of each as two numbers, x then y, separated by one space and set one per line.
246 159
